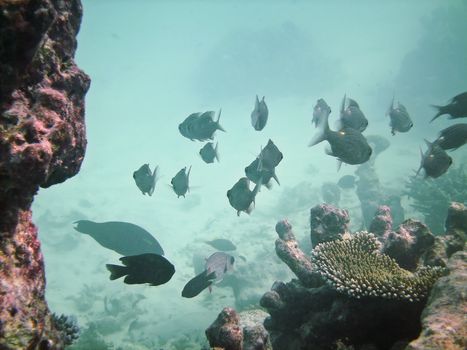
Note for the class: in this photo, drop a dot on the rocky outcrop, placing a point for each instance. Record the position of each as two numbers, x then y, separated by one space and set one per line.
42 143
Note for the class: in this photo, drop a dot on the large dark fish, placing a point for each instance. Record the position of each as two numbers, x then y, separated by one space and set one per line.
399 118
222 244
435 161
241 198
145 179
348 145
144 268
198 283
452 137
259 116
180 182
200 126
456 108
208 153
123 237
351 115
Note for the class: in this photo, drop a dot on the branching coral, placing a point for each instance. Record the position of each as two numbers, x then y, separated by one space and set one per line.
68 326
355 266
432 197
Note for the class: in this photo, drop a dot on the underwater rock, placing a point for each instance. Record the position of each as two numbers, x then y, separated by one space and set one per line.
226 332
42 143
456 228
327 223
381 224
443 319
320 317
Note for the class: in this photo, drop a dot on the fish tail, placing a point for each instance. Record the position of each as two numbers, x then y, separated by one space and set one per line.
274 176
116 271
323 131
441 111
219 127
154 180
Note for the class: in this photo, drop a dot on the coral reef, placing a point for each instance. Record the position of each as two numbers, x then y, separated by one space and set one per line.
443 319
68 326
42 143
356 267
321 317
327 223
432 197
244 331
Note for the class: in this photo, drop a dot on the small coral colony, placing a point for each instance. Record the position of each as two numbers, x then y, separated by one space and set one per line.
143 259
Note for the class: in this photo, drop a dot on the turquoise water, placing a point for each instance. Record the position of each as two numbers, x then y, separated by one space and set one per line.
152 63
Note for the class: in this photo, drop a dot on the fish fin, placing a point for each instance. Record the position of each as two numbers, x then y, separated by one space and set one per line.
154 180
339 164
250 208
428 143
216 152
421 163
441 111
328 150
257 102
268 185
323 130
343 104
116 271
274 176
219 127
210 288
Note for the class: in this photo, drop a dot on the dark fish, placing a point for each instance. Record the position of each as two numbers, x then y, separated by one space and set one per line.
346 181
321 108
208 153
200 126
435 161
220 263
198 283
263 167
452 137
351 116
259 116
123 237
180 182
399 118
144 268
456 108
348 145
222 244
241 198
145 179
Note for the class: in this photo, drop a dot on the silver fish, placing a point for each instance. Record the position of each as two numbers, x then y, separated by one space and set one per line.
200 126
220 263
399 118
180 182
348 145
259 116
145 179
435 161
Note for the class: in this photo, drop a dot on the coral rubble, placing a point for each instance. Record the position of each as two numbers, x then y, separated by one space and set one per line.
42 142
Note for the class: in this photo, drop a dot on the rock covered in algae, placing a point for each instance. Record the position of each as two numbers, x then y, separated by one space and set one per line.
42 142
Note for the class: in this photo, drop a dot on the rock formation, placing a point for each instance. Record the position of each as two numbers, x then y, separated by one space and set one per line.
42 143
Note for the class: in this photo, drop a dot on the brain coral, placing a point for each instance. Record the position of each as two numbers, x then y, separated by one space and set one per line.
356 267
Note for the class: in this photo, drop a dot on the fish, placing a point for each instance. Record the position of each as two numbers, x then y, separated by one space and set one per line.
352 116
200 126
180 182
220 263
346 181
452 137
143 268
399 118
456 108
348 145
122 237
435 161
320 109
198 283
145 179
262 169
222 244
208 153
241 198
259 116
